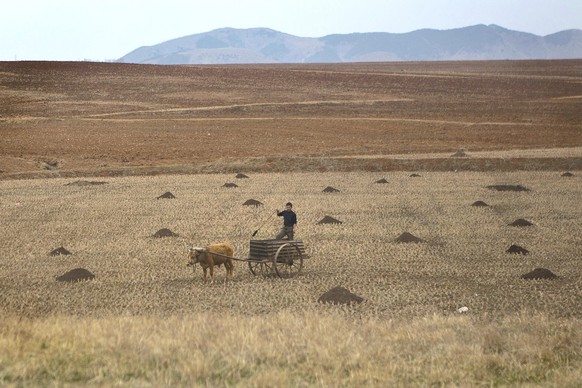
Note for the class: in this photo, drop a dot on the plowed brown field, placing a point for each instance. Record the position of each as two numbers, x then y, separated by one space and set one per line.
110 118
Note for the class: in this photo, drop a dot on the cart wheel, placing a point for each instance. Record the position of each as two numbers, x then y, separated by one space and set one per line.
288 260
260 267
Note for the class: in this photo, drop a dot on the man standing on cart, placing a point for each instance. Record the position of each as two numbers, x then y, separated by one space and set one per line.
289 222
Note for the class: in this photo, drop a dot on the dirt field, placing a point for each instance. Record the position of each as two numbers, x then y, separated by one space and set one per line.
112 119
457 308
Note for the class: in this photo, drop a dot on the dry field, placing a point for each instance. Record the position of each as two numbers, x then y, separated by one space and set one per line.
109 230
114 119
267 331
147 320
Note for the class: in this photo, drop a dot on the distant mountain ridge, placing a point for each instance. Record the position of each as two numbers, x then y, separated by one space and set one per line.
263 45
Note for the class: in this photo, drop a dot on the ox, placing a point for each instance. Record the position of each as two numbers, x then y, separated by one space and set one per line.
212 255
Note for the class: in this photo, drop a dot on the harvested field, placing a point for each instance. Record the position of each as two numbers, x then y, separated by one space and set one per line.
143 292
462 261
366 310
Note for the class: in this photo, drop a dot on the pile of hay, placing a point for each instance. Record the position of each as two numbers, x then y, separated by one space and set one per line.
539 273
166 195
76 275
381 181
164 233
252 202
408 238
60 251
230 185
479 204
86 183
516 249
340 295
241 176
521 222
508 188
330 189
329 220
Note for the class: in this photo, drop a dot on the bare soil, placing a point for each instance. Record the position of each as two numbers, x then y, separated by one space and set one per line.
104 119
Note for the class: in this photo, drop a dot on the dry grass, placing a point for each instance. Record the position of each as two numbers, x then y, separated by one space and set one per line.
147 319
309 348
109 229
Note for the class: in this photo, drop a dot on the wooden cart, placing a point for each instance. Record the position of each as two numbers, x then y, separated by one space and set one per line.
283 258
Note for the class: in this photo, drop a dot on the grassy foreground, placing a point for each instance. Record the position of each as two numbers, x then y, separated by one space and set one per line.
291 349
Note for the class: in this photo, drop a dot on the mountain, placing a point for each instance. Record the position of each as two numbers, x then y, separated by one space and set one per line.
263 45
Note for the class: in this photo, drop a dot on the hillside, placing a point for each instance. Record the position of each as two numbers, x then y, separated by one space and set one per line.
262 45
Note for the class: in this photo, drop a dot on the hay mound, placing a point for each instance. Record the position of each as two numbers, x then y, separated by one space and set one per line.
539 273
241 176
459 154
252 202
408 238
381 181
516 249
340 295
567 174
86 183
508 188
164 233
166 195
479 204
521 222
60 251
415 175
228 184
329 220
76 275
330 189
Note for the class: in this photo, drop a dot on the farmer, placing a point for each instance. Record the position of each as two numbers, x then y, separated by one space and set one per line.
289 222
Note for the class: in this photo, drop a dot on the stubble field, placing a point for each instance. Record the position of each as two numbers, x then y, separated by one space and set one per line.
265 331
147 320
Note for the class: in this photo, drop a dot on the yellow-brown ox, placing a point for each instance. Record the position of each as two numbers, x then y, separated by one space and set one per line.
212 255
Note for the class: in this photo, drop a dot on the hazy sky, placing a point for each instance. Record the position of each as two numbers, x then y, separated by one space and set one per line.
109 29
